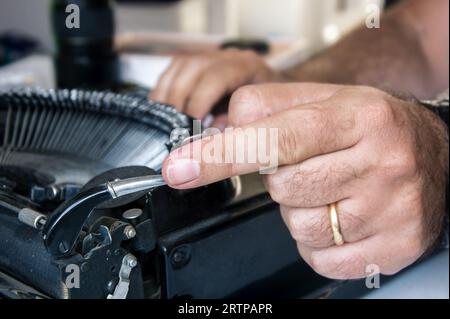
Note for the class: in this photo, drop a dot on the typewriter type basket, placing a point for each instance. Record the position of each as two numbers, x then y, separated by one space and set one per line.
74 135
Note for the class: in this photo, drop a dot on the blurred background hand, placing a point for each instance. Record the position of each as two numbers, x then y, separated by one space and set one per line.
195 84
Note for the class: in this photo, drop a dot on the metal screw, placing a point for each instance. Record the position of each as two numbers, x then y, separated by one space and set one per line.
132 213
129 232
131 261
181 256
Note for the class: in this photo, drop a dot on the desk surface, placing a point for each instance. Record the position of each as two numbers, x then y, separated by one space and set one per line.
427 280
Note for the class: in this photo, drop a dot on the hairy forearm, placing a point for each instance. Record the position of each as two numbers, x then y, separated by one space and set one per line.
391 57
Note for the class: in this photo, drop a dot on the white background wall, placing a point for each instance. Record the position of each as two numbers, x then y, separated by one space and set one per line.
28 16
274 18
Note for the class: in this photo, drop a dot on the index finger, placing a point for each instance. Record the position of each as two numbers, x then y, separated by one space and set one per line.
288 137
253 102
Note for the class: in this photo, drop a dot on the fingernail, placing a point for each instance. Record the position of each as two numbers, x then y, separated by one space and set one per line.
221 126
182 171
208 120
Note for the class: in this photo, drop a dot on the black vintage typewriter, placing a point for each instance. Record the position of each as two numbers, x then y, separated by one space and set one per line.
84 215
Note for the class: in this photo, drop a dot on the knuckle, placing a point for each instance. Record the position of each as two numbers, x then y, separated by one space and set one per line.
341 268
270 182
178 88
292 224
379 111
210 84
288 142
315 119
320 265
315 183
400 164
302 185
288 187
276 186
248 95
312 118
245 101
407 165
314 233
313 192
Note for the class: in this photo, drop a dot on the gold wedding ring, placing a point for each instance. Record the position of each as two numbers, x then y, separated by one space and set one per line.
334 220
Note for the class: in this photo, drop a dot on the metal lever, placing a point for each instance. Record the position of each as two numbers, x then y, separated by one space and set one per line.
123 286
134 185
64 225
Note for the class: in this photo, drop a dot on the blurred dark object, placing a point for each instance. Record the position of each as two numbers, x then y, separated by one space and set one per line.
15 46
149 1
257 45
390 3
85 56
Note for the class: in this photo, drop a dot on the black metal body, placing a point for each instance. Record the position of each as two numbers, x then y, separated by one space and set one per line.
65 224
57 151
24 257
242 250
85 55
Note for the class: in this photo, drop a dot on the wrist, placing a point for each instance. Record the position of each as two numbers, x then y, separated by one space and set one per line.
432 147
440 107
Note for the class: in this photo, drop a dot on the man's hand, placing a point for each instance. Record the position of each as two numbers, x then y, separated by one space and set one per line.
195 84
384 162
